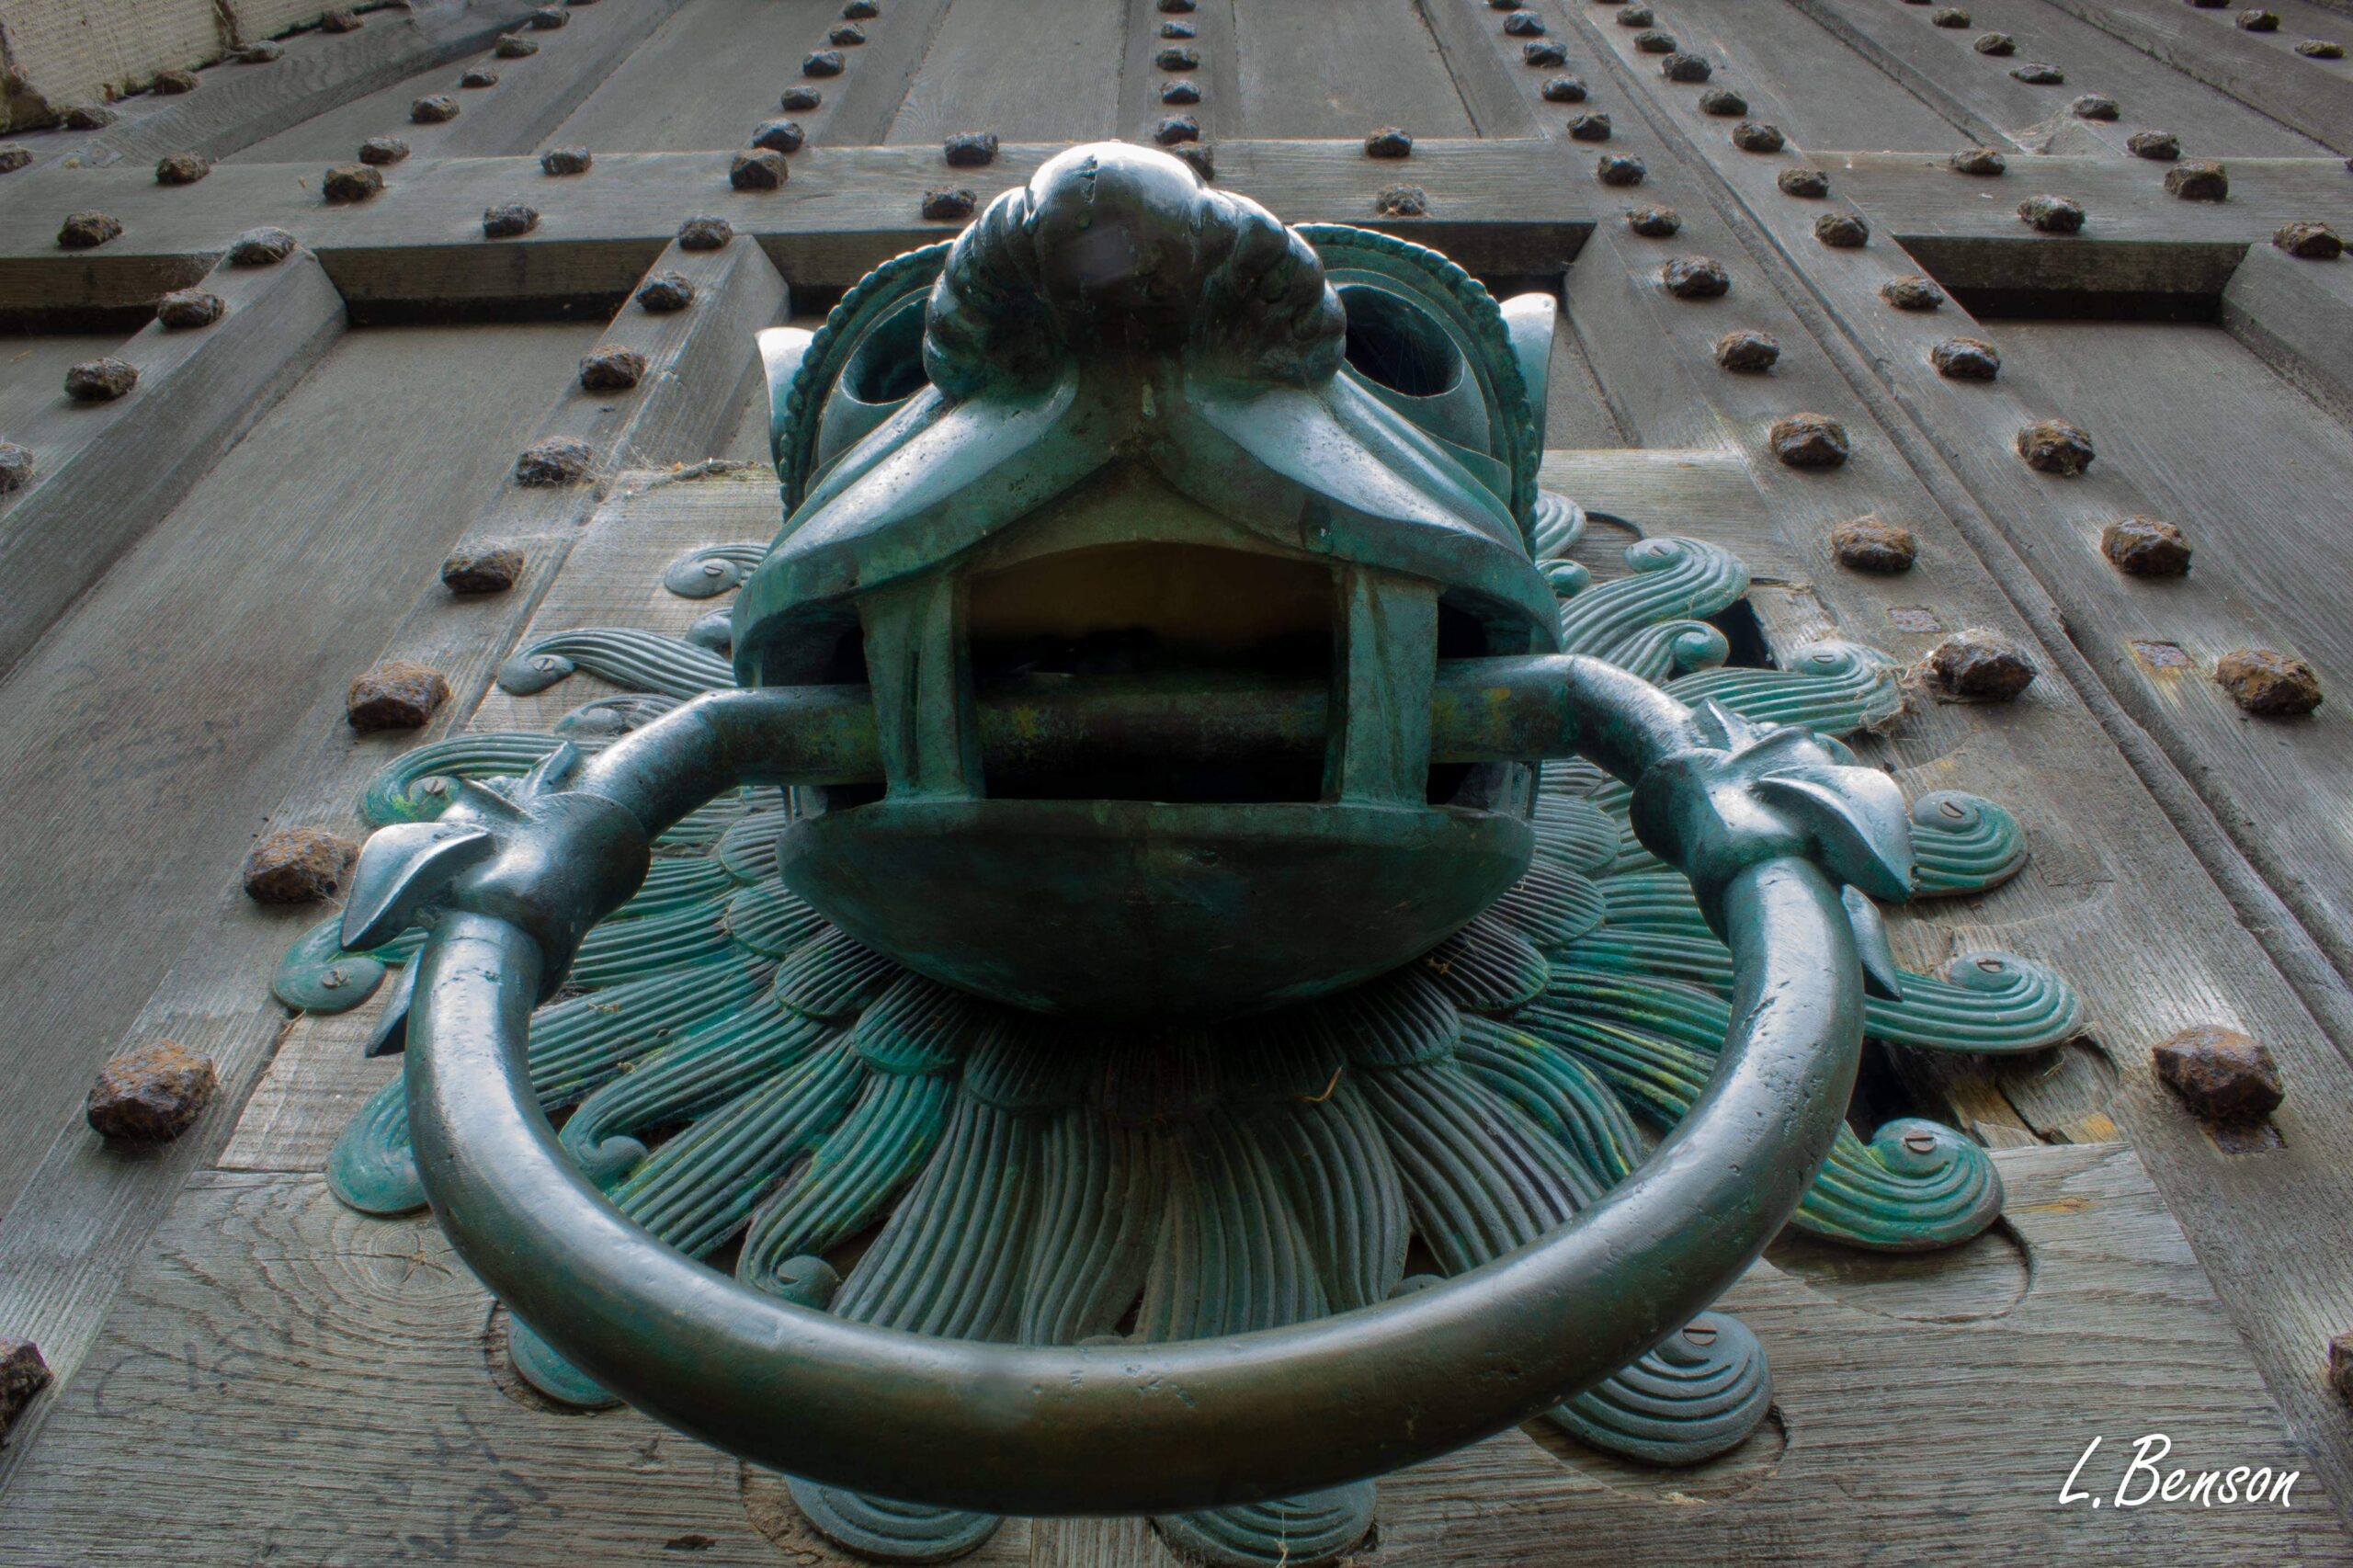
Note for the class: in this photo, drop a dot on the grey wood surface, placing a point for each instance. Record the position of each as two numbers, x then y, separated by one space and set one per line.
845 208
339 1379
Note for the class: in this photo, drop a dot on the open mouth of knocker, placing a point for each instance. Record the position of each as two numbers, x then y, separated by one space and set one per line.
1160 655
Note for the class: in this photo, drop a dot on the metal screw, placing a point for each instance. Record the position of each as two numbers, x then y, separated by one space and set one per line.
332 979
1919 1142
1700 1334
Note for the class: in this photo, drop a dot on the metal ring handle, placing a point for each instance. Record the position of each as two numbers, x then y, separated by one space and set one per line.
1150 1427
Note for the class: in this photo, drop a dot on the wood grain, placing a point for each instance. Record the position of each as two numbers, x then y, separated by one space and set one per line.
2255 69
336 1375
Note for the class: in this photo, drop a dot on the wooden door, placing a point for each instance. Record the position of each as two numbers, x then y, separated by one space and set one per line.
193 573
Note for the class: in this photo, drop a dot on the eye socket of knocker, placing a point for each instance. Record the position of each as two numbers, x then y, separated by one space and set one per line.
1766 822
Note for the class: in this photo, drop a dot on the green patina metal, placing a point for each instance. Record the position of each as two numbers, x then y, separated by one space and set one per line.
1166 919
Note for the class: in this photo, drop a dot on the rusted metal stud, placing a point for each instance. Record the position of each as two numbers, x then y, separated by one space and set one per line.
2321 49
2052 214
2094 105
1842 231
1178 57
779 135
2037 74
508 220
1723 103
948 206
2309 241
2199 179
1994 44
182 168
1983 161
1524 24
1651 41
2221 1073
860 11
2209 5
1949 16
184 309
260 247
514 46
1754 136
1695 278
2258 21
172 83
2267 681
799 99
15 467
151 1094
847 35
705 233
1911 292
547 18
1807 440
1870 543
2141 546
824 63
1389 142
1541 53
1178 29
100 381
263 54
1619 168
1981 664
1802 180
1402 201
14 155
1198 153
1682 66
970 149
347 183
339 21
757 169
661 294
1562 90
23 1374
2340 1368
483 569
90 117
435 108
2055 445
611 367
2159 146
1177 7
298 865
383 151
478 77
1966 359
1177 128
1635 16
1654 223
1180 91
1591 126
395 694
88 231
559 460
1746 351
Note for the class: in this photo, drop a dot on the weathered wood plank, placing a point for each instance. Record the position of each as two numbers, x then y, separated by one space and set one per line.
335 1375
845 208
1978 91
237 105
105 473
531 98
62 56
1028 70
738 54
2257 70
1829 91
68 1242
2106 854
2298 318
1342 70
